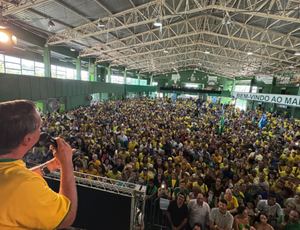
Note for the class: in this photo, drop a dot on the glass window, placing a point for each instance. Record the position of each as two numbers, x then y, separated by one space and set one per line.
28 72
254 89
128 80
40 72
71 73
2 70
13 71
9 65
27 65
12 59
59 68
84 75
154 83
242 88
143 82
191 85
134 81
39 64
117 79
1 57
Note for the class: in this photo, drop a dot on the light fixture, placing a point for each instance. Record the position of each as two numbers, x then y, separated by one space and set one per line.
173 63
51 23
166 51
292 67
158 22
297 53
199 63
72 49
249 52
207 52
226 20
3 37
101 24
133 51
194 71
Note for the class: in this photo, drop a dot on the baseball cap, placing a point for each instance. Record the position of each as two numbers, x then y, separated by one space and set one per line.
145 168
186 173
170 158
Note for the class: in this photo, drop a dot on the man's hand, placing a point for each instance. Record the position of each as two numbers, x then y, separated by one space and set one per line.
63 153
53 164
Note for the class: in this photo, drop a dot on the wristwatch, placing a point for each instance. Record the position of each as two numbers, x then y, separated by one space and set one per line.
44 169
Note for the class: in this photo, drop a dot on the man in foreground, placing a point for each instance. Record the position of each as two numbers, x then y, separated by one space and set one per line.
220 218
178 212
26 201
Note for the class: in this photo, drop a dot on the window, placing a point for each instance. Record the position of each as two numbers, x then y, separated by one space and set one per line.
27 67
131 81
117 79
12 65
84 75
2 70
191 85
242 88
143 82
71 74
254 89
154 83
39 69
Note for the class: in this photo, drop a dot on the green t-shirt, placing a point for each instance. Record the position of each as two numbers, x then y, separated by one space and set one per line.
290 226
186 193
150 191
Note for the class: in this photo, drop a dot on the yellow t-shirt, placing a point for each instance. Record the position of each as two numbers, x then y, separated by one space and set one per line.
231 204
218 158
97 163
26 201
145 178
131 146
113 176
203 187
124 155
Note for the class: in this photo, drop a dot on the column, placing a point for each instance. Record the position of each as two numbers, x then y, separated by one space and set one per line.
151 80
108 74
139 78
233 86
93 72
47 61
78 68
271 91
125 76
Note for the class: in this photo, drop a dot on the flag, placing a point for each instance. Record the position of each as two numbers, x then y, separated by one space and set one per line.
262 122
222 122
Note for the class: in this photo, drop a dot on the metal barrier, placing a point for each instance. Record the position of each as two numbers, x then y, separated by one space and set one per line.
155 218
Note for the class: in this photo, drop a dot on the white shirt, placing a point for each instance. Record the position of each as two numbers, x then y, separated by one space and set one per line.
124 138
198 213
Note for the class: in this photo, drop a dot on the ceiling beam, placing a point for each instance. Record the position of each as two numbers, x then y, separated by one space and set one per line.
89 30
12 8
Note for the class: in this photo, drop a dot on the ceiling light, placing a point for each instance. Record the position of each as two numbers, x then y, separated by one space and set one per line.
297 53
51 24
166 51
292 67
249 52
199 63
72 49
194 71
173 63
226 20
158 22
133 51
207 52
101 24
3 37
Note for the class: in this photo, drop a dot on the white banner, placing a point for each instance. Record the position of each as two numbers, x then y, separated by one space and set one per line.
291 100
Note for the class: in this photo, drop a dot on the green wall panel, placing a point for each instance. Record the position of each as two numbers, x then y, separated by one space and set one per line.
70 89
43 88
74 88
64 88
51 87
58 88
24 88
35 89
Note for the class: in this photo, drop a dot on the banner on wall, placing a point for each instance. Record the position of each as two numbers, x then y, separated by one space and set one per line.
290 100
265 79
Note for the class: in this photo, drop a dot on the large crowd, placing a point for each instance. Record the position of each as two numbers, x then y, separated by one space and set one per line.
211 166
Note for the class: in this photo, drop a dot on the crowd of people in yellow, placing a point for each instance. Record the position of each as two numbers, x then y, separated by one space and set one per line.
211 155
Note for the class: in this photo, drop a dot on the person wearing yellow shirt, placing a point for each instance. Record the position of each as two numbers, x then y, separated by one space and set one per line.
232 202
168 172
90 170
288 171
201 185
145 175
217 157
132 145
179 158
123 154
184 165
95 161
287 157
188 184
169 162
114 174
